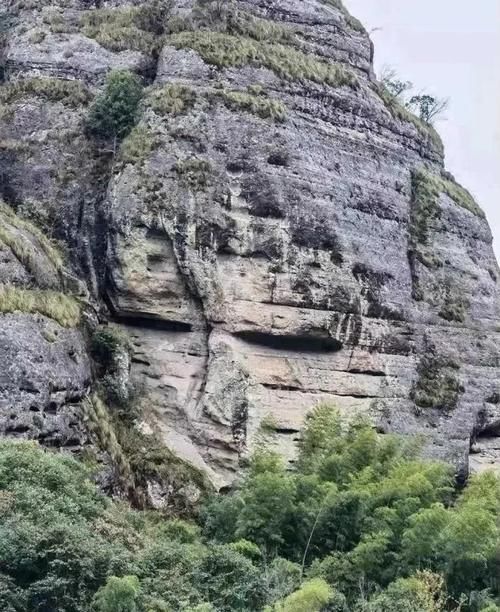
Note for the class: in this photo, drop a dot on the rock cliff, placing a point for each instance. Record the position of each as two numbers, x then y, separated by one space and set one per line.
275 232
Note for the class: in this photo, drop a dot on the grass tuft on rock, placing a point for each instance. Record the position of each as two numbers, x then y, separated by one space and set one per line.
137 146
447 184
138 28
172 99
248 25
351 21
19 246
455 306
117 29
260 105
101 425
223 50
427 188
425 206
55 305
68 92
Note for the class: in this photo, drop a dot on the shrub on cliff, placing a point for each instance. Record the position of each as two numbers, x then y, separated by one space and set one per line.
114 112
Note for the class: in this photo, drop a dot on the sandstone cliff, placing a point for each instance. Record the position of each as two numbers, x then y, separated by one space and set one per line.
275 232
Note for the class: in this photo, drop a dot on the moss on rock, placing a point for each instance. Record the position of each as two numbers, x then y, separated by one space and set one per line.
437 385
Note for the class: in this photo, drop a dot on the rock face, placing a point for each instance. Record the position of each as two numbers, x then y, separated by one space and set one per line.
44 370
285 236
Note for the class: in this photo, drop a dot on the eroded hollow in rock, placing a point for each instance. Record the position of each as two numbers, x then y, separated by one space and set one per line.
297 343
145 321
485 443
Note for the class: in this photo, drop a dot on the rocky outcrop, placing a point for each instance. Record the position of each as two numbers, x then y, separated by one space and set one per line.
45 370
286 236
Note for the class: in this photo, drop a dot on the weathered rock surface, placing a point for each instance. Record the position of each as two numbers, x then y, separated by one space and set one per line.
44 367
262 266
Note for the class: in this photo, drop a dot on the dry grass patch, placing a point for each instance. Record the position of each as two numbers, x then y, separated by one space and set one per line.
18 245
55 305
117 29
68 92
224 50
260 105
172 99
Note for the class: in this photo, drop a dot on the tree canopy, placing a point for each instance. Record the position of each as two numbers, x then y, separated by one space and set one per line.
361 524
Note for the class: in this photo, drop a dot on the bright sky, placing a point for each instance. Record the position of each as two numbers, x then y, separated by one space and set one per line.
451 48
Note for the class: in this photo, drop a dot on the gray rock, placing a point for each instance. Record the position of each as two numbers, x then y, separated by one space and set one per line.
44 367
261 267
44 375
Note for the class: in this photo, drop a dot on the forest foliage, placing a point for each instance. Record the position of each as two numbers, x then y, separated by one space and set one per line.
361 524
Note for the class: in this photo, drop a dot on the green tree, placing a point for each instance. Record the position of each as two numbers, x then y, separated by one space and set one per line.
114 112
311 597
427 107
54 553
394 85
422 540
118 595
229 580
268 501
423 592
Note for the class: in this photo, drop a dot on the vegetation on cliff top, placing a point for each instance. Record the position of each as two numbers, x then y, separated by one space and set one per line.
361 525
398 111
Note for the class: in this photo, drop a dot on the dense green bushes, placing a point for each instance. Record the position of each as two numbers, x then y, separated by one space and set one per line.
53 548
362 511
362 525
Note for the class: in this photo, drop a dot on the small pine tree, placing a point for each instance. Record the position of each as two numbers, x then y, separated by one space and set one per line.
114 112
